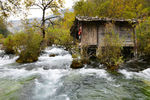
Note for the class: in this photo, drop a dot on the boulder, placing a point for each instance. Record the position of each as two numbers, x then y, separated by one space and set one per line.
76 64
26 60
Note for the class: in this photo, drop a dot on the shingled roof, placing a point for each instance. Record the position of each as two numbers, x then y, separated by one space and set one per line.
88 19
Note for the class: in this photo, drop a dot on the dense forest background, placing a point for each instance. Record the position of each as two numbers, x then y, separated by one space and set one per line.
113 8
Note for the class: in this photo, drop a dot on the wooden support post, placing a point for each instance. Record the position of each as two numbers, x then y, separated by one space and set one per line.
135 43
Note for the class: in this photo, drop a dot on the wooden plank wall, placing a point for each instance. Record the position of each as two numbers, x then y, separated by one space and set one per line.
101 33
93 33
126 33
89 34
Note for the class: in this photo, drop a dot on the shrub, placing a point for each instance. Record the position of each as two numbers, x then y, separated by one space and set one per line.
1 38
25 45
143 37
29 49
59 36
3 27
8 45
109 52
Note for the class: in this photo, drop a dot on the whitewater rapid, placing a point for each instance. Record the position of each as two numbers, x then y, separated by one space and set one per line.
51 78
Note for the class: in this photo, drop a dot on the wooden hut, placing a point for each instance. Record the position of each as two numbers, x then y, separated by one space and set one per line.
93 29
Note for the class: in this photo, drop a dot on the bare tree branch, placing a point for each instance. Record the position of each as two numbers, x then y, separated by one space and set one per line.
51 18
40 2
38 6
37 26
48 4
51 23
52 6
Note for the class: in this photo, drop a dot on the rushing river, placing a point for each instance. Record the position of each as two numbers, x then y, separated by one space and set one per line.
51 78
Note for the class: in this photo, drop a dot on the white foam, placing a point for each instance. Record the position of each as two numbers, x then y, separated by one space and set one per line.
143 74
1 51
55 50
7 60
45 85
59 61
50 84
47 81
15 73
101 73
127 74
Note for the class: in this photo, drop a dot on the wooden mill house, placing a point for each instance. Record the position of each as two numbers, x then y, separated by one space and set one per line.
93 29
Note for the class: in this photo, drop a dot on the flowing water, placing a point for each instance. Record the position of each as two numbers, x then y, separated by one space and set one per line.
50 78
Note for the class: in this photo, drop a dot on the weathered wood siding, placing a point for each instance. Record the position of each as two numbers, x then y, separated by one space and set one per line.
89 34
93 33
101 32
126 33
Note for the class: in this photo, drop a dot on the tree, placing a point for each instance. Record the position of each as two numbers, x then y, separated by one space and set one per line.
113 8
8 7
143 36
3 28
85 8
59 34
52 5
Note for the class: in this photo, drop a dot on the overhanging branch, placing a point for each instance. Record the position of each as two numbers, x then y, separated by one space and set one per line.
48 3
51 18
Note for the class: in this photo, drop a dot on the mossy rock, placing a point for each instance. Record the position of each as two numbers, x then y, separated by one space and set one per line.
52 55
27 60
76 64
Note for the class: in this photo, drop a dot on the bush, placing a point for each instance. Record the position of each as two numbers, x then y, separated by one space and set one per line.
3 27
59 36
8 45
143 37
109 52
1 38
30 49
25 45
59 33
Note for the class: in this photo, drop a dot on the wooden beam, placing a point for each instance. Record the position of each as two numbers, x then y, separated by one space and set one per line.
135 43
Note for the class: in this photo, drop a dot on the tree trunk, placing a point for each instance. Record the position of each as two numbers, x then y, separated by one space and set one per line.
43 23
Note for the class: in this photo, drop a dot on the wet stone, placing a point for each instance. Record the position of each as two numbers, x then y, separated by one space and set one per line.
46 68
53 55
77 64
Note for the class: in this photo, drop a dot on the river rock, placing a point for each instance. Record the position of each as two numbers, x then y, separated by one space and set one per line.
52 55
76 64
46 68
